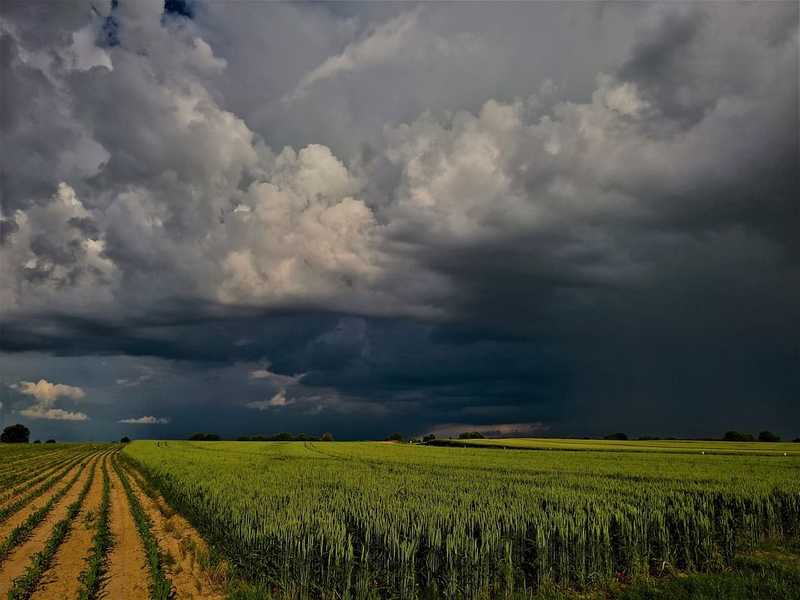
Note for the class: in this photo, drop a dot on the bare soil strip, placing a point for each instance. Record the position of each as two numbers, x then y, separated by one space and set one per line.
19 517
127 576
181 544
19 558
62 580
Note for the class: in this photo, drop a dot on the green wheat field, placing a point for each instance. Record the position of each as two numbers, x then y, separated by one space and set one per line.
363 520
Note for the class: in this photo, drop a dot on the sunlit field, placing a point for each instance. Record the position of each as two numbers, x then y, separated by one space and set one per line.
660 446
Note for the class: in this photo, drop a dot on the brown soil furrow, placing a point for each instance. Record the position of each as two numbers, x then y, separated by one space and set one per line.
62 579
36 503
182 545
20 557
127 575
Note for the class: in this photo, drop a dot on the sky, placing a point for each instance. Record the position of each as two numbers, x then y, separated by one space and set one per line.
542 218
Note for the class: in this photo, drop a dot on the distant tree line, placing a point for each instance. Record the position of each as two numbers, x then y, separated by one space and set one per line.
19 434
730 436
764 436
471 435
204 437
15 434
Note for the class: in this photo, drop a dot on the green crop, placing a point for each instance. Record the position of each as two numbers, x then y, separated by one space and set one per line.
101 545
160 588
368 520
23 587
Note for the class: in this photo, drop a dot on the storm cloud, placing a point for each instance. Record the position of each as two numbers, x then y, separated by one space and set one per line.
554 218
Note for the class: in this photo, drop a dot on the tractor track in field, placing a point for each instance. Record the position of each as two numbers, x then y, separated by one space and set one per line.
180 543
62 579
20 557
127 575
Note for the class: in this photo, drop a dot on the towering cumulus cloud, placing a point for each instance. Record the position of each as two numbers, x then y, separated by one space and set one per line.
501 216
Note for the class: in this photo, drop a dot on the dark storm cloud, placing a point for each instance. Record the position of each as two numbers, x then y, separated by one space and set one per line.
581 215
659 64
181 8
7 228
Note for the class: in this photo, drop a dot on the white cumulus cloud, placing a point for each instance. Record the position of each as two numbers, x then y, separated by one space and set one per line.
38 411
46 395
47 392
146 420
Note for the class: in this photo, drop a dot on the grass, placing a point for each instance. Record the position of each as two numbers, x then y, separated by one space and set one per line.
364 520
750 577
23 587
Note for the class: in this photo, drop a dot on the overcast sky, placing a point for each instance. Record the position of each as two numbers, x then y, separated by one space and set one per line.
543 218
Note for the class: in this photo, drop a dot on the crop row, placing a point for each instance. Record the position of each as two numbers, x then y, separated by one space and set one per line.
23 499
18 471
24 586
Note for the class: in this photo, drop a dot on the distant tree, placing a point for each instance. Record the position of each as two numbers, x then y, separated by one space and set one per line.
50 442
616 436
796 440
204 437
15 434
326 437
395 437
737 436
768 436
37 441
471 435
428 438
125 440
